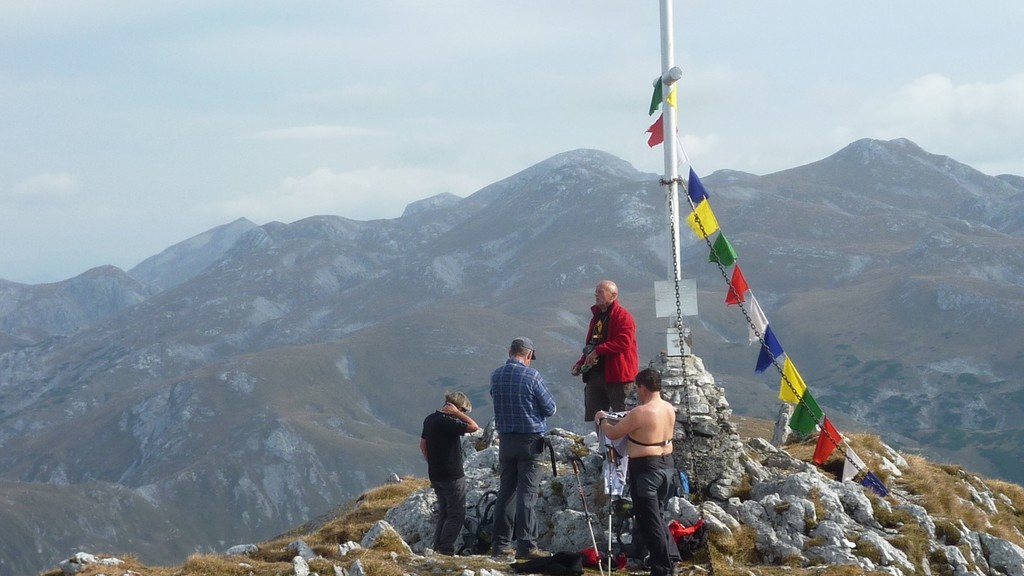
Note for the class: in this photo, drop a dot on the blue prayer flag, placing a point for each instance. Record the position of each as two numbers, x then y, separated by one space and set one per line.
872 481
695 189
770 350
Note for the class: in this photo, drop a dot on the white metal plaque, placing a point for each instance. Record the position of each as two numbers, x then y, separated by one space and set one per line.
665 298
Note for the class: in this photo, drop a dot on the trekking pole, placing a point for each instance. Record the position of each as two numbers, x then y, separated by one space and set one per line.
576 465
610 463
609 537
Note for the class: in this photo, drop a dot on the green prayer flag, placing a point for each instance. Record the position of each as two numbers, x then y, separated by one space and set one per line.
656 98
722 252
806 415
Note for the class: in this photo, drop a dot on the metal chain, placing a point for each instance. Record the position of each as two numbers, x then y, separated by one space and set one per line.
676 273
691 463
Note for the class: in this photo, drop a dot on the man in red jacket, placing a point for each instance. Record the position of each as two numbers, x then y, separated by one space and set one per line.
610 359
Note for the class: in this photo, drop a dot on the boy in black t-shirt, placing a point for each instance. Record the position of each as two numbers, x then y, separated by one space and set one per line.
441 445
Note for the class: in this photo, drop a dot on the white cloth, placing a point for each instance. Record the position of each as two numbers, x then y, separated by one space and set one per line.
615 456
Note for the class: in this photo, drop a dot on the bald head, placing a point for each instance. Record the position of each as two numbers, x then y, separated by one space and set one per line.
605 293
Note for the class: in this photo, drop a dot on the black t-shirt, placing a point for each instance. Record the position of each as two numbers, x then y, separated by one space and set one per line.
443 434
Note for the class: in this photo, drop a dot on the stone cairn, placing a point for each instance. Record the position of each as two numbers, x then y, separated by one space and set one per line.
706 444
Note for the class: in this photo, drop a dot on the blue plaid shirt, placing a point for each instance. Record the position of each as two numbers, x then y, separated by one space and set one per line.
521 399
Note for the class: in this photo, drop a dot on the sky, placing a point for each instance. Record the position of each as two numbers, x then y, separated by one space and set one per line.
127 126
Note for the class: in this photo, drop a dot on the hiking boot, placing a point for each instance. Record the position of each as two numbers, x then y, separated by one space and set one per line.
532 554
503 554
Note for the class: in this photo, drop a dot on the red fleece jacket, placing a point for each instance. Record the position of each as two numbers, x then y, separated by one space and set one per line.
618 350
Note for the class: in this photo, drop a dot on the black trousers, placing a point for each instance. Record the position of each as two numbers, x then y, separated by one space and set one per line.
650 483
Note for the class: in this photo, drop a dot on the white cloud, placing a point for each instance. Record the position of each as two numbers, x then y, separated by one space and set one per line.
364 194
314 133
935 98
47 185
979 123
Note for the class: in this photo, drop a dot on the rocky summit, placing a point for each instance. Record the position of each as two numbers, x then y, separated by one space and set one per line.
254 376
765 509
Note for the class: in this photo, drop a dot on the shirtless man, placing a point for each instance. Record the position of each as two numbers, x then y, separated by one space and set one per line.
649 428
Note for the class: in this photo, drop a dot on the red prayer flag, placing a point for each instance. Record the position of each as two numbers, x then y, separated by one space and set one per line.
657 131
737 287
827 442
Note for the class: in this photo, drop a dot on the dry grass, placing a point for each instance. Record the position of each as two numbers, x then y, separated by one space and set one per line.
274 558
738 548
748 427
369 508
944 491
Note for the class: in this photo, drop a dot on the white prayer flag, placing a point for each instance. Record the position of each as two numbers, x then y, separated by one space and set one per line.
853 465
757 317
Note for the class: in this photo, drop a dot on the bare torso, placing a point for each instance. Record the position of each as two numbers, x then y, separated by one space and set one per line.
652 423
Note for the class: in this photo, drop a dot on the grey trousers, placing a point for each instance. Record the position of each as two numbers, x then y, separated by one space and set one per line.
599 394
451 508
519 458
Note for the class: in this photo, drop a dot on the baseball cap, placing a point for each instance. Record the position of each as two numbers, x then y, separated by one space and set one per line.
525 343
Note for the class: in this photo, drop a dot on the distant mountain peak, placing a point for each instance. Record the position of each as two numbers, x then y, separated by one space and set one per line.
868 150
442 200
187 258
587 158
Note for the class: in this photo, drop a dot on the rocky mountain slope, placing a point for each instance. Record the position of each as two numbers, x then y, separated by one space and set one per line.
251 373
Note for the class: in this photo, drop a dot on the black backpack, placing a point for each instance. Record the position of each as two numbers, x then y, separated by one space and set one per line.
479 533
558 564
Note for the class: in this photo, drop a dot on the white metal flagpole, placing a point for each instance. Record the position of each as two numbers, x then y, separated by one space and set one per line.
670 74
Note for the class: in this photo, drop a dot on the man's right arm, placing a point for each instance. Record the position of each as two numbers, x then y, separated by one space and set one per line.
471 425
545 400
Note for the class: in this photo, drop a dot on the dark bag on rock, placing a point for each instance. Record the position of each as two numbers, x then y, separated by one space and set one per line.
689 539
558 564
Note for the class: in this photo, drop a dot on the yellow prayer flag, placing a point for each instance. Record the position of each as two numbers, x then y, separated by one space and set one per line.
672 97
793 387
708 222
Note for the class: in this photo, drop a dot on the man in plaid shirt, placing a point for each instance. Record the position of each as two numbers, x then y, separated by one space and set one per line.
522 404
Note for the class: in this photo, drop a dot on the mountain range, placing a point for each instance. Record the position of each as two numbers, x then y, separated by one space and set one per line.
252 377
